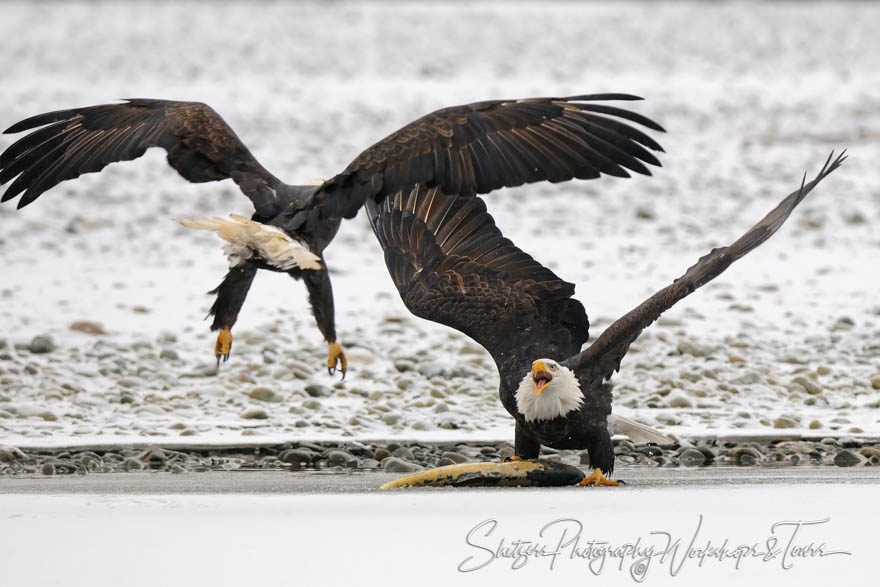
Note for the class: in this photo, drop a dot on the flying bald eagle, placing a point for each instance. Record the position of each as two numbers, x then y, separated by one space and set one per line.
452 265
463 150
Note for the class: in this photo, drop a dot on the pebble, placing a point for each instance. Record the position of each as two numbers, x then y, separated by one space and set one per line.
87 327
341 458
445 462
784 422
708 453
318 390
296 456
808 385
847 458
678 399
131 464
42 343
650 450
687 347
264 394
154 456
745 456
9 454
848 442
48 469
396 465
455 457
381 454
692 457
169 355
255 414
404 453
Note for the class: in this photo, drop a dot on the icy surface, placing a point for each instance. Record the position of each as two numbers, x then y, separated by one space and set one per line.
333 540
751 95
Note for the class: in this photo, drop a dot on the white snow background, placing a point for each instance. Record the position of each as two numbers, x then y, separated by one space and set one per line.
751 94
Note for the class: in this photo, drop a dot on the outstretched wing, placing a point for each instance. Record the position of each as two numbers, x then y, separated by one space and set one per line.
602 358
452 265
476 148
69 143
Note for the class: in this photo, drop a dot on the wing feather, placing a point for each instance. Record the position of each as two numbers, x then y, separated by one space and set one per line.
476 148
70 143
602 358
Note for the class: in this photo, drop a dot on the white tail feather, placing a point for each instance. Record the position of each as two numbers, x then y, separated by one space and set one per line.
636 431
247 238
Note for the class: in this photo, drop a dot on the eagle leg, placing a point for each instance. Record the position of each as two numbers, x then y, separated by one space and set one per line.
335 357
223 346
231 294
597 478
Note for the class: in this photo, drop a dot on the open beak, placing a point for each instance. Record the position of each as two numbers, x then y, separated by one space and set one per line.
540 376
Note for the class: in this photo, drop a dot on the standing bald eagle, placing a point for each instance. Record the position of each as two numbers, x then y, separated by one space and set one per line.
463 150
452 265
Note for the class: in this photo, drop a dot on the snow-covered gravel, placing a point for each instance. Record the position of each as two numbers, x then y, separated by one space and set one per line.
788 340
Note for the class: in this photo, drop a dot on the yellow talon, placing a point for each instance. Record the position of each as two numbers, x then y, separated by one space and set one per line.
596 478
223 346
334 356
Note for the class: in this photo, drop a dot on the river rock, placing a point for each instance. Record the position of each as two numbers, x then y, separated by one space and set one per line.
296 456
808 384
396 465
455 457
168 355
381 454
847 458
692 457
688 347
745 456
264 394
42 343
404 453
255 414
341 458
318 390
784 422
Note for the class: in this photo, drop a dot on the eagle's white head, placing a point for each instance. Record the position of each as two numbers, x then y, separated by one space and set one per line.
548 391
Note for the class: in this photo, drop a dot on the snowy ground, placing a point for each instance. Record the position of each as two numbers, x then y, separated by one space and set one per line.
445 537
751 95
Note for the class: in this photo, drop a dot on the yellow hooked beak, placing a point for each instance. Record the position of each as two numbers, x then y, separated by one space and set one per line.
540 376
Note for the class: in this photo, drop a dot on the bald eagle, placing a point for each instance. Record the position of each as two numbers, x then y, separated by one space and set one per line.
452 265
462 150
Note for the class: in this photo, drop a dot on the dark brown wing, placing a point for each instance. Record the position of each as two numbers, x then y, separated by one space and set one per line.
476 148
69 143
602 358
452 265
